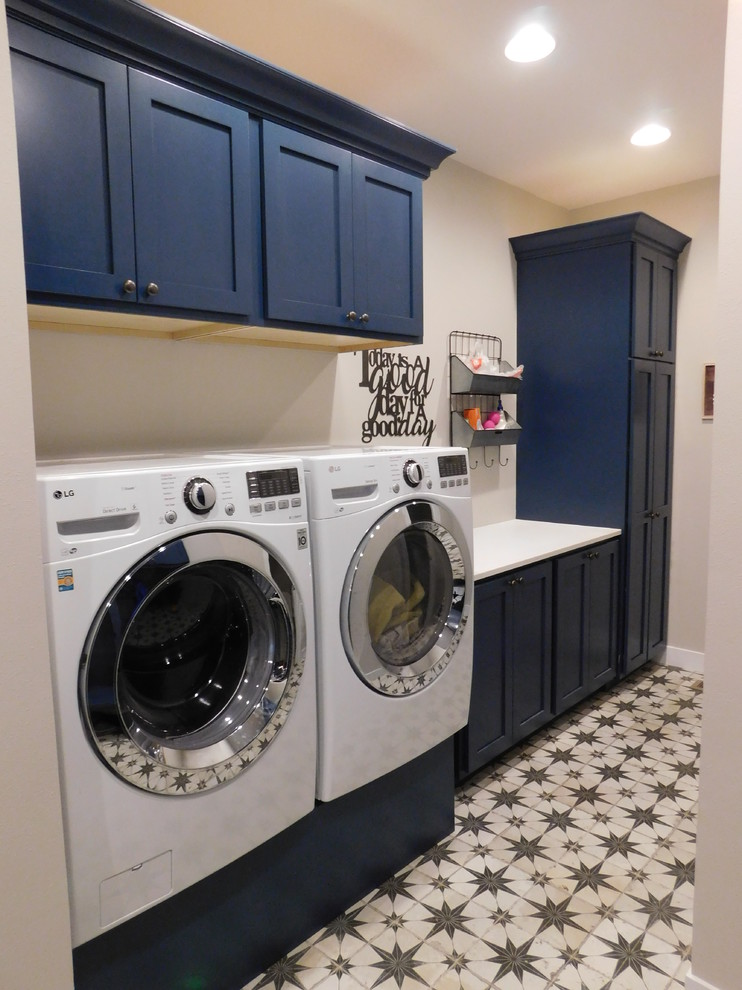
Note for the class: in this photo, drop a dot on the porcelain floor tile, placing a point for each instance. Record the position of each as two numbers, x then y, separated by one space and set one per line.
571 865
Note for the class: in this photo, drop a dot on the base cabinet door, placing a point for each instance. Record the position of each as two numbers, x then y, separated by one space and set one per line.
531 654
603 637
489 731
511 681
585 623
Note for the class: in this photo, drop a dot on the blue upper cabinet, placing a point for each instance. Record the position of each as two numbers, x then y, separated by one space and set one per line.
146 189
343 238
134 189
75 170
308 214
191 176
655 304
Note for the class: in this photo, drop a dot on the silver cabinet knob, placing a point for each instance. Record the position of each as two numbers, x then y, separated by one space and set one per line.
364 317
130 286
152 288
352 316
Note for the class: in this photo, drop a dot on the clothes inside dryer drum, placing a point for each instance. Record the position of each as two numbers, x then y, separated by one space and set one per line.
403 607
412 584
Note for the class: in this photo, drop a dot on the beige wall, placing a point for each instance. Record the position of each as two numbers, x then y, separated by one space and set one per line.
717 948
34 921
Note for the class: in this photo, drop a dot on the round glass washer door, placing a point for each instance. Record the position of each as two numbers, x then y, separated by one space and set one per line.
407 598
193 663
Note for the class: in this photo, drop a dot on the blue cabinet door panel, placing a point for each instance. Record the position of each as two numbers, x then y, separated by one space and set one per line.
655 304
532 650
489 731
191 166
388 248
75 171
308 228
571 630
574 313
603 636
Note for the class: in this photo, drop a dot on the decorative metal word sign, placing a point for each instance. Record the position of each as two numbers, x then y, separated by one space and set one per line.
399 387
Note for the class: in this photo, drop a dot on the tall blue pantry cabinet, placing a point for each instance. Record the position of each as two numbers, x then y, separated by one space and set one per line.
597 306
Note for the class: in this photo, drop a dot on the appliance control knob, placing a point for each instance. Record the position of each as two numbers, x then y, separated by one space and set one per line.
412 473
199 495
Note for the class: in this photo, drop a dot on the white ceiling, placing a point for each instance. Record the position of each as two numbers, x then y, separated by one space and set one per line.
558 128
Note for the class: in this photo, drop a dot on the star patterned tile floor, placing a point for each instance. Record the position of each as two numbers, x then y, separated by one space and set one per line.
571 865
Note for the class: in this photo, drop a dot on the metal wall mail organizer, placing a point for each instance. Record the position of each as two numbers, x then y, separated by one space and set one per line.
478 378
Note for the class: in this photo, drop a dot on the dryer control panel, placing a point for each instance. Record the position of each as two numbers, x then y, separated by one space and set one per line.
347 481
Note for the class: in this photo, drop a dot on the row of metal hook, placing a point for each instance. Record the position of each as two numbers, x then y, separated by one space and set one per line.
475 464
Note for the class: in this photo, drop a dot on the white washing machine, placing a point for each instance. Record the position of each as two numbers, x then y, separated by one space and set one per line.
392 554
181 630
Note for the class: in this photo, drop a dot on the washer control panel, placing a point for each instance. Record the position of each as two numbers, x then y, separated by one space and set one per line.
89 506
273 490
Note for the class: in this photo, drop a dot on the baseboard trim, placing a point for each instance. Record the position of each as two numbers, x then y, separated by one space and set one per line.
696 983
685 659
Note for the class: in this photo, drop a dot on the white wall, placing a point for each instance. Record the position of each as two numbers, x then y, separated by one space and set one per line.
34 920
717 947
693 209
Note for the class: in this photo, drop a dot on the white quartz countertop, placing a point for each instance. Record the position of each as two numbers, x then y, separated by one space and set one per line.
502 546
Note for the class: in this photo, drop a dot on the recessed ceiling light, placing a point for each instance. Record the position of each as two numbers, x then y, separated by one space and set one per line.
530 44
650 134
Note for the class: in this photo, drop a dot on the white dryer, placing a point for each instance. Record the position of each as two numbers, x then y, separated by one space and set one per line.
180 611
392 555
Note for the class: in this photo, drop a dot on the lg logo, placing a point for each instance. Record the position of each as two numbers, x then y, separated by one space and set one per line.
63 494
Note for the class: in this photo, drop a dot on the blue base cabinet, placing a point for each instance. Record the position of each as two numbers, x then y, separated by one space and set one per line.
511 679
343 237
585 623
597 306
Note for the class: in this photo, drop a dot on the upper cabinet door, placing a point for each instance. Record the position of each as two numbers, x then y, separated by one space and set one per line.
72 124
191 167
308 215
343 238
655 304
387 229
